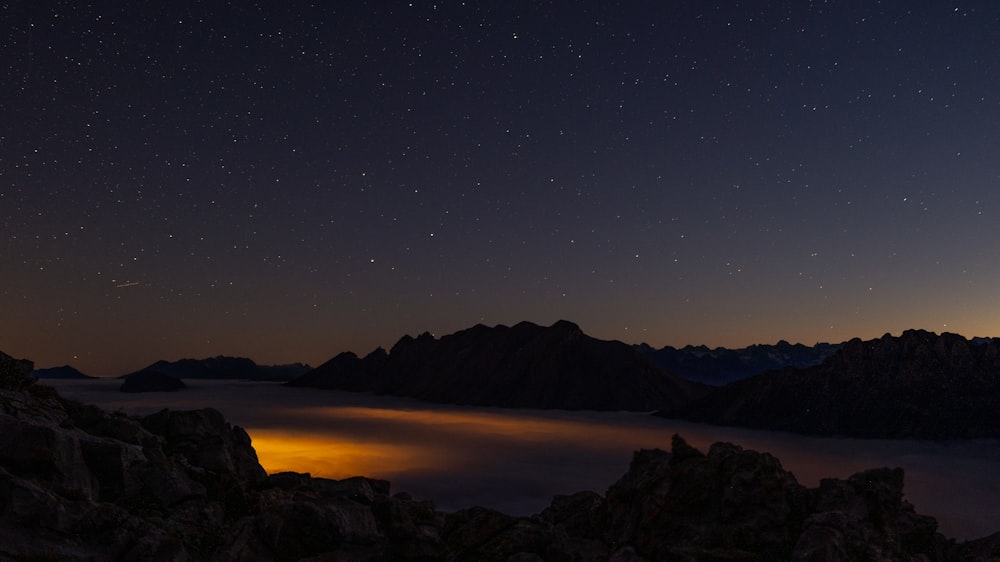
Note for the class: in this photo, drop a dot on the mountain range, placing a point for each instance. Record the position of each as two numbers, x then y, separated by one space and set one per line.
522 366
916 385
222 367
218 367
719 366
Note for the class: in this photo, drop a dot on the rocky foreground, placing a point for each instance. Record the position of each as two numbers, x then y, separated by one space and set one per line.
79 483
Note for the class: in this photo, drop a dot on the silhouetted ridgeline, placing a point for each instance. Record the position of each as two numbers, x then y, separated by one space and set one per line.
64 372
721 366
916 385
526 365
78 483
222 367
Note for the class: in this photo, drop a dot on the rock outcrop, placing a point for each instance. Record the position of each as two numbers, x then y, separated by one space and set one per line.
526 366
78 483
917 385
729 504
15 373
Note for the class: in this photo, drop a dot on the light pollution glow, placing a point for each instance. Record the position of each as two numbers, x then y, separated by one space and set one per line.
341 454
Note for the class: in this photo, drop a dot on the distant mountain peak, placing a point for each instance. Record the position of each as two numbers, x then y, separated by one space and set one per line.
525 365
62 372
565 326
226 367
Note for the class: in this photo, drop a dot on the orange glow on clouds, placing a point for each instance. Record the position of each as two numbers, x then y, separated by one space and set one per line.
392 441
332 457
515 424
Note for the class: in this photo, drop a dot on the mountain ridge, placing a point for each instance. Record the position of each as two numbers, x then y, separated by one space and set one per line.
525 365
221 367
63 372
915 385
720 366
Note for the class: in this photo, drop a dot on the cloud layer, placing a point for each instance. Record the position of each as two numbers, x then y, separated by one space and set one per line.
516 460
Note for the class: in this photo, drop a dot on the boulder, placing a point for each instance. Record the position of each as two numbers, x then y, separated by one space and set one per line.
865 518
207 441
731 503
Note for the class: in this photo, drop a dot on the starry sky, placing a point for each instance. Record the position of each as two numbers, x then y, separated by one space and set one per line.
288 180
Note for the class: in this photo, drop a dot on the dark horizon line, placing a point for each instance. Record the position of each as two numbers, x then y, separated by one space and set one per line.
222 355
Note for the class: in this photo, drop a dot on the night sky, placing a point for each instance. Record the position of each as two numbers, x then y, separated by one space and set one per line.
288 180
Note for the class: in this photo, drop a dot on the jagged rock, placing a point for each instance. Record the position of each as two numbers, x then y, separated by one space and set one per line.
741 503
731 504
583 514
151 381
490 536
865 518
579 522
207 441
15 374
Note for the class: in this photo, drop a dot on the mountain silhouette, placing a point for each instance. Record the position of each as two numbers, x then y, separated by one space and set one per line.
64 372
916 385
526 366
222 367
719 366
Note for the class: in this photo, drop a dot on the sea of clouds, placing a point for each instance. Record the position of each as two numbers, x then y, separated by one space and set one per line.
516 460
